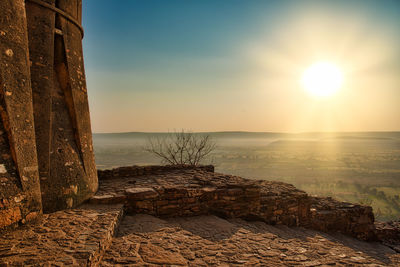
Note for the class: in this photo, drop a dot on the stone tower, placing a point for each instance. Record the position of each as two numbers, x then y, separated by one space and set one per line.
46 153
62 123
20 198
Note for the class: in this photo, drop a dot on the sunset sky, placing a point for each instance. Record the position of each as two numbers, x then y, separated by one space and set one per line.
234 65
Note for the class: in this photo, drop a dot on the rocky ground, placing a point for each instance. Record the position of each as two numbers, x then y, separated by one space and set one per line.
158 216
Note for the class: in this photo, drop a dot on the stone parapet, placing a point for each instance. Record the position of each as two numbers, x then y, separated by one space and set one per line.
188 191
130 171
328 214
389 234
179 191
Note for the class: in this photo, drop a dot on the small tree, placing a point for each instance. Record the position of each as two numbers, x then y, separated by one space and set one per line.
181 148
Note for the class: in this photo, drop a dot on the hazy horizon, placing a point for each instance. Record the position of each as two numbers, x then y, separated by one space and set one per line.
239 131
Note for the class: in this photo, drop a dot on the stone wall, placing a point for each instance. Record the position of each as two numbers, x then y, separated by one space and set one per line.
131 171
231 201
327 214
20 198
389 234
180 191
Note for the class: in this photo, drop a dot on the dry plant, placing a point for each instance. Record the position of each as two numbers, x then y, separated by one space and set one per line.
181 148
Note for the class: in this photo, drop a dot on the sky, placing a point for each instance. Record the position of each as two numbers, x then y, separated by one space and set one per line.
235 65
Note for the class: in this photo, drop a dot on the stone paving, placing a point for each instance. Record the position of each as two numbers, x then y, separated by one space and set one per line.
75 237
144 240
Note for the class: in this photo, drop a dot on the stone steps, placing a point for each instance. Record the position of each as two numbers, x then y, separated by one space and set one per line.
77 237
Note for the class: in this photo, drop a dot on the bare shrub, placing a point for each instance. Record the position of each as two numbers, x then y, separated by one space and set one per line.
181 148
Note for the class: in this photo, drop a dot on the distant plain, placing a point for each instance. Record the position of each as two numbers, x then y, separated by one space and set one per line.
359 167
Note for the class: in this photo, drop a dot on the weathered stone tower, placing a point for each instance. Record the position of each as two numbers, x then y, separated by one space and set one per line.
46 153
63 134
19 180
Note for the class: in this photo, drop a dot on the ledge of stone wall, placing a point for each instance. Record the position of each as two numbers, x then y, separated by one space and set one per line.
130 171
176 191
389 234
328 214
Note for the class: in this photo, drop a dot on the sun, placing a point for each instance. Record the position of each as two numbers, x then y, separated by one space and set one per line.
322 79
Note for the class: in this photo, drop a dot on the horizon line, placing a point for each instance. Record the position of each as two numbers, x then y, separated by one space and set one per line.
272 132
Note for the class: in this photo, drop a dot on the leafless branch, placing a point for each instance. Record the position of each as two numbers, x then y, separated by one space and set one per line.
181 148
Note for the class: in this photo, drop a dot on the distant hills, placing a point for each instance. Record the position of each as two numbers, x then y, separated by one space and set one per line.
267 135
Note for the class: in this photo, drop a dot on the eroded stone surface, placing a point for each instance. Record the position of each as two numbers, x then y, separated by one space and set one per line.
75 237
20 197
67 169
144 240
389 233
177 238
329 214
199 191
131 171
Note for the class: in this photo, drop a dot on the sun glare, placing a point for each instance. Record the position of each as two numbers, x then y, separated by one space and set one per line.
322 79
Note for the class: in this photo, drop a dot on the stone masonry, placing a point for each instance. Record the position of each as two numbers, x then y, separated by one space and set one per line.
120 228
62 122
20 199
177 191
46 152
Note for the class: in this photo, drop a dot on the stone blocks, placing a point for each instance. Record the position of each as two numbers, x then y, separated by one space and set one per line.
62 123
20 198
181 192
46 152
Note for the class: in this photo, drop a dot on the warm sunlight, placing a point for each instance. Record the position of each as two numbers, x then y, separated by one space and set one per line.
322 79
147 132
